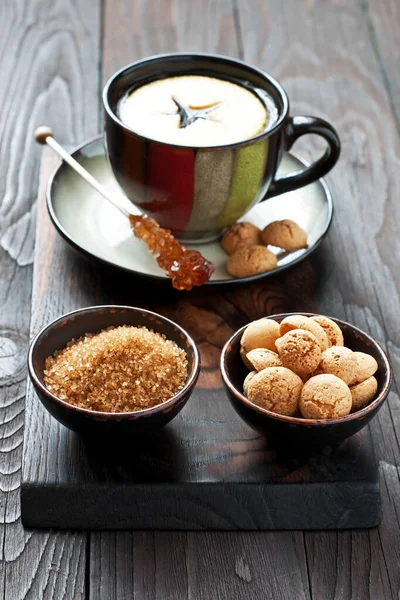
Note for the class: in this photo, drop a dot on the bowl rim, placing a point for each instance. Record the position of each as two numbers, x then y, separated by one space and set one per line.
300 420
147 412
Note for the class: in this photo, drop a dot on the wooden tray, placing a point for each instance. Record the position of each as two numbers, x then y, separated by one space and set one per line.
205 470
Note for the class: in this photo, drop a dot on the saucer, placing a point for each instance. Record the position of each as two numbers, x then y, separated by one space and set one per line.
99 231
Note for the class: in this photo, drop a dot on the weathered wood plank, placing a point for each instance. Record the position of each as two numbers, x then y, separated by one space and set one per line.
133 30
262 565
362 564
140 566
197 565
323 55
383 19
49 73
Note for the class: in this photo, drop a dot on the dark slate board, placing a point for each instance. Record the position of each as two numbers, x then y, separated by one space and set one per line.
206 469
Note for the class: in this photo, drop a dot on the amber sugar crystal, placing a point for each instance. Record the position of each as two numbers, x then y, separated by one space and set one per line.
120 369
186 268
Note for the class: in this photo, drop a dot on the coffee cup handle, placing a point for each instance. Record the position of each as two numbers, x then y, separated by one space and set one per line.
295 128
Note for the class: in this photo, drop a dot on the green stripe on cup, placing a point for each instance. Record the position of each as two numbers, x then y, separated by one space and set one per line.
246 180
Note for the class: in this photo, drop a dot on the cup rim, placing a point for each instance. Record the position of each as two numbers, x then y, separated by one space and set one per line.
147 412
222 58
300 420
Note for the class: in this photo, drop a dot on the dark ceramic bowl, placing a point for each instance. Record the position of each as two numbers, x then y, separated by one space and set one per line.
293 430
57 334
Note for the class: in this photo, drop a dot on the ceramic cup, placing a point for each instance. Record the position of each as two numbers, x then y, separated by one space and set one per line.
197 192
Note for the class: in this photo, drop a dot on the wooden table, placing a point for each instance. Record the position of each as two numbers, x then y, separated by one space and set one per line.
338 60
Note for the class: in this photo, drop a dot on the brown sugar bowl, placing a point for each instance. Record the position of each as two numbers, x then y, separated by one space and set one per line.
293 430
76 324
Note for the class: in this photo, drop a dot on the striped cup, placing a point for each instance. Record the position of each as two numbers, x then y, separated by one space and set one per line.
197 192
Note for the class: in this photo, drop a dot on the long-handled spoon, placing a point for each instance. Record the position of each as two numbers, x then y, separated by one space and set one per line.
186 268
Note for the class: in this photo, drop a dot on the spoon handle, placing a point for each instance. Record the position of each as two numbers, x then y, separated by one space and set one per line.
44 135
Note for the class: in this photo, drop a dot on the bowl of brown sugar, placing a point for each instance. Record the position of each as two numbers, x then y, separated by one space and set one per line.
113 369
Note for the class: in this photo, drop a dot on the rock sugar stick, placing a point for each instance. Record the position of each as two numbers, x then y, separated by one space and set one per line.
186 268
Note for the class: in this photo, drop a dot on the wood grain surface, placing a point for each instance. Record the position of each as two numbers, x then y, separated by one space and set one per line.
383 20
48 56
336 71
336 59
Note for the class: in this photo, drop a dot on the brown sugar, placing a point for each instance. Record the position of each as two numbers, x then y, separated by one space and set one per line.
120 369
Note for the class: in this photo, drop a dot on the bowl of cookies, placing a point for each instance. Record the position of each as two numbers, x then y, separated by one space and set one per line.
314 378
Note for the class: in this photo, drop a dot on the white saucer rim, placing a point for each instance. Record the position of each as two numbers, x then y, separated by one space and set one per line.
62 165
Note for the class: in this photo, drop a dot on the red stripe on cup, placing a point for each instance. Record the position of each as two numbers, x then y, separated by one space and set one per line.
170 181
